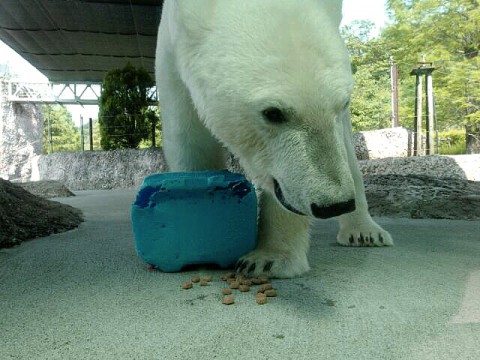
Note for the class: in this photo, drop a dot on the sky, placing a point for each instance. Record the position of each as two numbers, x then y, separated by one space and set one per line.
373 10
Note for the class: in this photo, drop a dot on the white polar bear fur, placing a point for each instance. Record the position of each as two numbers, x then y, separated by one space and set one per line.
219 64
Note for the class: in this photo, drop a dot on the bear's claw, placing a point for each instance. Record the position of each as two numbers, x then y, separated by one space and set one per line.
369 234
272 264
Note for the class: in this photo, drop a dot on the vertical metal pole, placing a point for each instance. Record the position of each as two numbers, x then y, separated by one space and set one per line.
417 145
82 140
90 128
153 132
394 92
430 114
49 131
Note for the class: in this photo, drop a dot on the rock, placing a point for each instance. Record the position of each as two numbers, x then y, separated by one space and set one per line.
101 170
383 143
21 127
417 196
455 166
26 216
46 188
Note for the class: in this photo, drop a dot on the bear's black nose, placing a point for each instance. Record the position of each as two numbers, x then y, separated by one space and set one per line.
325 212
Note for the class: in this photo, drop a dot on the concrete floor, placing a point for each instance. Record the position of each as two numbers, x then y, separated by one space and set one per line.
84 294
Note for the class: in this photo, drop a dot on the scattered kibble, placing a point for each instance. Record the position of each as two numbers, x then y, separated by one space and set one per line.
226 291
235 281
187 285
261 299
270 293
151 267
228 300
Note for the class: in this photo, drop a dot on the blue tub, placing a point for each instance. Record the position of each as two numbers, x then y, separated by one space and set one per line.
192 218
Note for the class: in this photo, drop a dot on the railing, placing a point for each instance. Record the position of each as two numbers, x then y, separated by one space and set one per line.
59 93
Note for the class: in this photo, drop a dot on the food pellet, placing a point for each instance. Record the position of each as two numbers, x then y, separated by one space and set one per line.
187 285
244 288
234 285
203 283
257 281
207 278
264 279
151 267
264 287
228 300
195 279
230 275
246 282
270 293
226 291
261 299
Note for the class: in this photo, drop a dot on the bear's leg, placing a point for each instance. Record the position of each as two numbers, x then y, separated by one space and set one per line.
358 228
188 145
283 242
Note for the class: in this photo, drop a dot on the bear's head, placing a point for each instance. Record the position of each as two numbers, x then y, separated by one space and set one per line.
274 83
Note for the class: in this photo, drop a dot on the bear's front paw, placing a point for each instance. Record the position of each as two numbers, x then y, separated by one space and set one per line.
364 234
273 264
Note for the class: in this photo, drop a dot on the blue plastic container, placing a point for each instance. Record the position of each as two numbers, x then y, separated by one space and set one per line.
191 218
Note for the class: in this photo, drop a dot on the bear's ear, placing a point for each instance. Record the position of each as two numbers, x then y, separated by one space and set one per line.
334 9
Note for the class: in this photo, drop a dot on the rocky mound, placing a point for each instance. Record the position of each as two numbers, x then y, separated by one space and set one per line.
26 216
419 197
46 188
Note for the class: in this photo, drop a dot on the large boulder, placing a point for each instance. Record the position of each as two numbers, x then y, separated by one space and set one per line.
383 143
21 127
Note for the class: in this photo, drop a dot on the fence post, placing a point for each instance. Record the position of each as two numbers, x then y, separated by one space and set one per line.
153 132
394 92
82 140
90 128
424 68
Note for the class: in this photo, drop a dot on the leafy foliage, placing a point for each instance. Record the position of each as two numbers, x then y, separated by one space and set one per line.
64 136
125 115
445 32
371 96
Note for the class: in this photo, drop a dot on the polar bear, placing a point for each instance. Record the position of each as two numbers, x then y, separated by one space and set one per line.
269 80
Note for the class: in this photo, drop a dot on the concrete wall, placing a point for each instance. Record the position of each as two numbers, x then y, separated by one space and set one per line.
127 168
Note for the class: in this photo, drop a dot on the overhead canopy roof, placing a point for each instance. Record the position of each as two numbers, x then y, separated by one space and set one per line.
80 40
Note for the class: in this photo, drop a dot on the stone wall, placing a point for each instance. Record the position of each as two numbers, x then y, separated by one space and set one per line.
90 170
383 143
127 168
21 127
466 167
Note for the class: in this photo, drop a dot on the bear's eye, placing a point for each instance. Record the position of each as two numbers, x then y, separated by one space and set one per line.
274 115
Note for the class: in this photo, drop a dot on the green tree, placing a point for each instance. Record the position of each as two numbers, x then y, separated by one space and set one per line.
59 131
446 32
125 116
370 105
